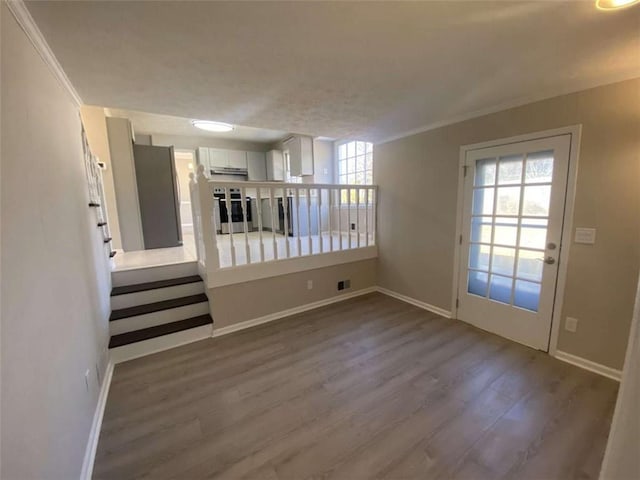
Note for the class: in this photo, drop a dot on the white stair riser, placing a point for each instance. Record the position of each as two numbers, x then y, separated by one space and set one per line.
156 295
147 320
158 344
153 274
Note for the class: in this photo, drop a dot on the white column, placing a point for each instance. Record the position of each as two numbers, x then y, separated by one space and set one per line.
208 232
195 215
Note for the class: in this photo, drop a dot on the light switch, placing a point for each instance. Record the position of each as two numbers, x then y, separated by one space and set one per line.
585 235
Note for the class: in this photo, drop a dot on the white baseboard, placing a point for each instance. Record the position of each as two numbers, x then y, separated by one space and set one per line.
159 344
94 434
589 365
217 332
417 303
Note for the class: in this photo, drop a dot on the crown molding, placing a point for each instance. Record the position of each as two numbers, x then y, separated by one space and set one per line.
575 88
28 25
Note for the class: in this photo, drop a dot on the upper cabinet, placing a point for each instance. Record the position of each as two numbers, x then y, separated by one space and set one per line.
256 167
300 155
236 159
213 158
220 158
275 166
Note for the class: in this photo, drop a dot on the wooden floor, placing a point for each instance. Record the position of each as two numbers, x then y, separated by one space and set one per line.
367 388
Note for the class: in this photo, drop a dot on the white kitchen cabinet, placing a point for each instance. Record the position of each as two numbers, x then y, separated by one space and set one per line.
300 155
218 158
256 167
221 158
237 159
275 166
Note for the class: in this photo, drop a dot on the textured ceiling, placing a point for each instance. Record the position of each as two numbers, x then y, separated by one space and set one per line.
148 123
338 69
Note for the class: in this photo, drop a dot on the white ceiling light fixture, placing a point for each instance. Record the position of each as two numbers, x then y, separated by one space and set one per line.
212 126
614 4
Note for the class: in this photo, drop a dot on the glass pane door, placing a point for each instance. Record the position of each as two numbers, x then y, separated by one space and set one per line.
509 221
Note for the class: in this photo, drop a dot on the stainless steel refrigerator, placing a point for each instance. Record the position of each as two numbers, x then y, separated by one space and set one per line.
158 196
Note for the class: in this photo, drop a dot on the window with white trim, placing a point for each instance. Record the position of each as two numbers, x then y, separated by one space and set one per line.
355 163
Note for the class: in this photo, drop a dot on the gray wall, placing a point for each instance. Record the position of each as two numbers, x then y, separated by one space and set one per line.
418 177
247 301
55 289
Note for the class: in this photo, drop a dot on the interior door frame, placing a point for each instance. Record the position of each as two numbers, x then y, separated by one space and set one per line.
567 219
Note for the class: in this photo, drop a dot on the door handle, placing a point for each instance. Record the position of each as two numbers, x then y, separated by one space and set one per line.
548 260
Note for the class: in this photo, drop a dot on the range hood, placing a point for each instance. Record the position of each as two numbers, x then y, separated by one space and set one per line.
229 171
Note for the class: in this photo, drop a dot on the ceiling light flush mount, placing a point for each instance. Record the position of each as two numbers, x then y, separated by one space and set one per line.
614 4
212 126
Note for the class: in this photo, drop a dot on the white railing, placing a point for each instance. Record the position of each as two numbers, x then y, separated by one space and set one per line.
278 221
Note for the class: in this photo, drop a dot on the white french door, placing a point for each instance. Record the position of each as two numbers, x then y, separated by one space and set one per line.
513 208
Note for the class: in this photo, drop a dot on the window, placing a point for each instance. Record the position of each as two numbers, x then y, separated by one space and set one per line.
355 163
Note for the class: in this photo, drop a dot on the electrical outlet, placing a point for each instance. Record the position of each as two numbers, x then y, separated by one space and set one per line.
344 284
571 324
309 284
347 284
340 285
86 379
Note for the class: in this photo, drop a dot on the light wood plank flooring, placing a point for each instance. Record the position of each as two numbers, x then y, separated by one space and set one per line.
367 388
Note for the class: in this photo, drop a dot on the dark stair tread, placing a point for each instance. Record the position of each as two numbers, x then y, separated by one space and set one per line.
157 306
159 330
141 287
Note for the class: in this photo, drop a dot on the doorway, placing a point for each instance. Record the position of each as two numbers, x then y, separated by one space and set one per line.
511 230
185 163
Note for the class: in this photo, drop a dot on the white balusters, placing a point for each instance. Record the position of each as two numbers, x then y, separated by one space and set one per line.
330 226
243 203
358 217
319 210
297 223
259 212
285 210
366 217
229 209
340 218
273 204
333 202
309 240
374 220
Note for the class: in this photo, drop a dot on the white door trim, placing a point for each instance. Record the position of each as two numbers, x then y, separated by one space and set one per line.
567 226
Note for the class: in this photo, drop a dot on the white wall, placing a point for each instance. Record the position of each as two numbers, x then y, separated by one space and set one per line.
56 284
126 188
622 459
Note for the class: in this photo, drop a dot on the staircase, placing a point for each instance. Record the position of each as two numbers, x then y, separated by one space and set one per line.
156 308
